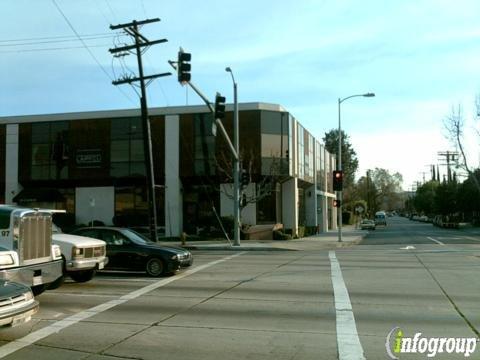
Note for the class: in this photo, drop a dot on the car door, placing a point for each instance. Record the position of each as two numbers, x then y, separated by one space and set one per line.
123 252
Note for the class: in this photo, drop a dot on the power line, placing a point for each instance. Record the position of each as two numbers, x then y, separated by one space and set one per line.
49 49
56 37
55 41
88 49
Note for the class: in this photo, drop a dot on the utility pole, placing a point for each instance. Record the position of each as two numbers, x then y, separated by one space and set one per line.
450 157
141 42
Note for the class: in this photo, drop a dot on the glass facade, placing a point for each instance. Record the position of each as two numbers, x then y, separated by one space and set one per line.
275 143
301 152
49 150
204 151
127 157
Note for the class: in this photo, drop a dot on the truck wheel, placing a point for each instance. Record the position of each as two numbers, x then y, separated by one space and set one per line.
38 289
57 283
82 276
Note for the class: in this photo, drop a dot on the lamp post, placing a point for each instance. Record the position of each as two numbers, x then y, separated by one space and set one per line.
339 159
236 166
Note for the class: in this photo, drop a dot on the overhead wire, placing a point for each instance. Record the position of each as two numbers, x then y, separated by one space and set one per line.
88 49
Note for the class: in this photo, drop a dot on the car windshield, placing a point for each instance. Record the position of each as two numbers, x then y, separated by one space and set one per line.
136 237
56 229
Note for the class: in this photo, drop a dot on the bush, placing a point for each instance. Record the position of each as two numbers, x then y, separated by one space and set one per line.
279 235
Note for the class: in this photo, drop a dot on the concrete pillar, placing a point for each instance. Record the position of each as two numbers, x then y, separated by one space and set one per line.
12 187
290 205
324 209
311 206
173 193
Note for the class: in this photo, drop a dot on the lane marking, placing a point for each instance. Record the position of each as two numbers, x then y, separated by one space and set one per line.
438 242
60 325
348 342
470 238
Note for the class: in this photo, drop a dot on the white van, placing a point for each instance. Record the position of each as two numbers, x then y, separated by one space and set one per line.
381 218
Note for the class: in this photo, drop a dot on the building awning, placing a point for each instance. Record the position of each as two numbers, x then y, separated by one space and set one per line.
38 195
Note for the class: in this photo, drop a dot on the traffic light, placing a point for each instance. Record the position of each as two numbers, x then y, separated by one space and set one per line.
336 203
184 67
337 180
219 106
244 179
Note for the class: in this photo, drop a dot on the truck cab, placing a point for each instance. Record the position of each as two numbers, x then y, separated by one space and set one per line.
27 255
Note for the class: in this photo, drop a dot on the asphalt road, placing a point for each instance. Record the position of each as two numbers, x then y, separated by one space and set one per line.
277 305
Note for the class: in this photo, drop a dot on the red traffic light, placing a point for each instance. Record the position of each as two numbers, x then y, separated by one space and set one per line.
337 180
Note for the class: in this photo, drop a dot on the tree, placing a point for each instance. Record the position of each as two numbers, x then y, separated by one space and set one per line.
424 200
385 189
454 124
446 197
349 156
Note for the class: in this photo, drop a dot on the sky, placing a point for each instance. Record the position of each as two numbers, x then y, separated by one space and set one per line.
419 57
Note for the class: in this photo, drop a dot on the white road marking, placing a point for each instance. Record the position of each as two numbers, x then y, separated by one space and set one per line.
471 238
60 325
348 342
438 242
409 247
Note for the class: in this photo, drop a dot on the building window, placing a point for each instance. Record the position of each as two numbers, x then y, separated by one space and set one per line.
275 143
301 152
131 208
50 150
127 157
204 160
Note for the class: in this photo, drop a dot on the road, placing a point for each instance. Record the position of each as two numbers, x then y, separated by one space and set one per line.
339 303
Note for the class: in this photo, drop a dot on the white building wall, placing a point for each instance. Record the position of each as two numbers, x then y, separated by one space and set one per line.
173 193
94 203
290 205
12 187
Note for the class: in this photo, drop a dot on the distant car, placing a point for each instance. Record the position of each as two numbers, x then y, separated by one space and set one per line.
131 251
380 218
83 255
367 225
17 304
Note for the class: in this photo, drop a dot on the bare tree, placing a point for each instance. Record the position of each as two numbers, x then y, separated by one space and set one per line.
265 187
454 124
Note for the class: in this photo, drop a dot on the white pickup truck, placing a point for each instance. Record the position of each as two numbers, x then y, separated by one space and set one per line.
83 256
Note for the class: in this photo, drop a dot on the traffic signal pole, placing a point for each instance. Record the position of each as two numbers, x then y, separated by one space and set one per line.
233 149
339 168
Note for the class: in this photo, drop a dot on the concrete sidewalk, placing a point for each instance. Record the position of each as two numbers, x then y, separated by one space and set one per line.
325 241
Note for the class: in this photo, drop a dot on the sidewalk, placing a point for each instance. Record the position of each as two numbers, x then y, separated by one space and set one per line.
325 241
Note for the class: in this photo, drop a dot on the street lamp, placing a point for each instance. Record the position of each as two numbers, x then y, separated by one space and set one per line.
236 166
339 159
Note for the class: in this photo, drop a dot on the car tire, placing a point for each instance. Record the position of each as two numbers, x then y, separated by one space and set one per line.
38 289
82 276
155 267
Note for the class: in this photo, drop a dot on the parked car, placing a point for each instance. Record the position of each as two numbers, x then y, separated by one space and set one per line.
83 256
129 250
367 224
17 304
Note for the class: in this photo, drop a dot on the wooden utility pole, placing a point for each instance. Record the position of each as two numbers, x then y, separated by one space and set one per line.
140 43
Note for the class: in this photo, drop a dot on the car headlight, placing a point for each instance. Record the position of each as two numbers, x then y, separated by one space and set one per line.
174 257
28 296
57 253
6 259
77 252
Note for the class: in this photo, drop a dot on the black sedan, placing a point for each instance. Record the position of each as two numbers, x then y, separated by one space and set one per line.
131 251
